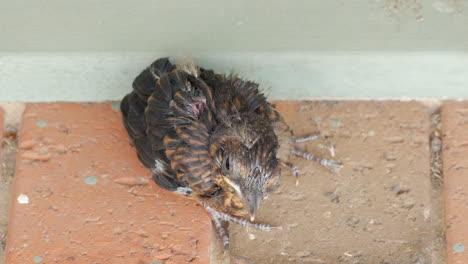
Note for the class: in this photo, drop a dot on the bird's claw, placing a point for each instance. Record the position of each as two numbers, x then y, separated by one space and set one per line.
331 164
219 217
328 163
308 138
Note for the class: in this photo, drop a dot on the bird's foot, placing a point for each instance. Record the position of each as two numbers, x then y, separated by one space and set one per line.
331 164
218 223
218 218
308 138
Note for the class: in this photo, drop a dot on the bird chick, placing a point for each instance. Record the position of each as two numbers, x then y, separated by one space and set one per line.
212 138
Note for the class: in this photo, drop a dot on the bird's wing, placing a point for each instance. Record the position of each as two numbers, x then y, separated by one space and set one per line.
169 118
149 147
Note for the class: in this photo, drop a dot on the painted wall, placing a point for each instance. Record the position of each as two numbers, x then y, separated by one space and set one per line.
91 50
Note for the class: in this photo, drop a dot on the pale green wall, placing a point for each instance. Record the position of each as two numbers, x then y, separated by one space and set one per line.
91 50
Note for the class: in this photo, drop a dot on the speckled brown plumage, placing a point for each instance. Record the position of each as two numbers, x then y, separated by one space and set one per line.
209 137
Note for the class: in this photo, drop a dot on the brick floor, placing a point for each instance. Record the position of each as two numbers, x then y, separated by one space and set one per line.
455 157
376 209
81 195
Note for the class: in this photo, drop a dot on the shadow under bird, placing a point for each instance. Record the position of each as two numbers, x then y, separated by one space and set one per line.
212 138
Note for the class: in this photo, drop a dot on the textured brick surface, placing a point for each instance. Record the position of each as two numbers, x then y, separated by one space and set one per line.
377 209
81 195
6 169
85 198
455 157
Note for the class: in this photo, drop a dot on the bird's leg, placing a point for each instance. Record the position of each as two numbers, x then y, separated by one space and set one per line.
293 167
219 217
246 223
218 223
331 164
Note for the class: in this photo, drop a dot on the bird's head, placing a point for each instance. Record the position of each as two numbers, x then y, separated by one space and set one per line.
247 165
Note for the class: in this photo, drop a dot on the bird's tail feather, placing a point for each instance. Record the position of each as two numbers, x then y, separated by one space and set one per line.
145 84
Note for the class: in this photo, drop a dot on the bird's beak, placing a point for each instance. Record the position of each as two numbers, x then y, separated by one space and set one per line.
253 204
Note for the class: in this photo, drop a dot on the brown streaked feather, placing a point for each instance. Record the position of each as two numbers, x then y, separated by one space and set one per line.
190 119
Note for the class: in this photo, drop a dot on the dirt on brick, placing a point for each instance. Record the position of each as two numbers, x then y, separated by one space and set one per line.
455 151
383 206
10 126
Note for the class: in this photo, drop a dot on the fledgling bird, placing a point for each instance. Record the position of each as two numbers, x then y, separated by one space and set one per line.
212 138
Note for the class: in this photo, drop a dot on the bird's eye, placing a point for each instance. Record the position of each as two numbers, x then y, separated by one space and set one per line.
226 163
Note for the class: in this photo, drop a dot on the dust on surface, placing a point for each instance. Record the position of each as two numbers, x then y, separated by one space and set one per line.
12 118
380 207
7 171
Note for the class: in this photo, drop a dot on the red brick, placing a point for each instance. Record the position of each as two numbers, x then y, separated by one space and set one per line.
90 200
455 153
352 215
